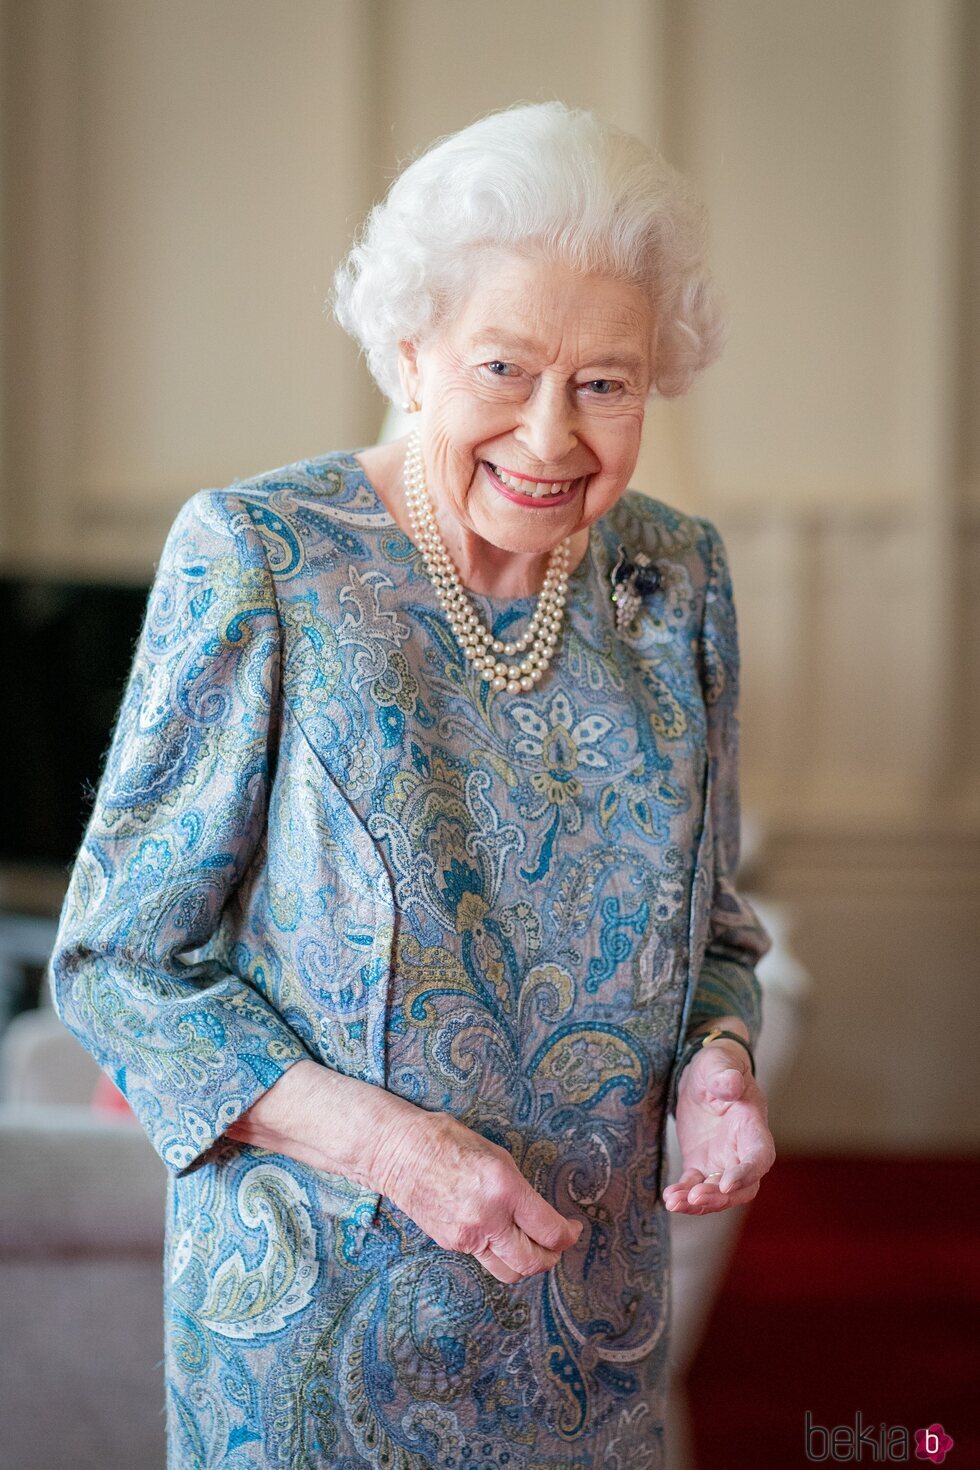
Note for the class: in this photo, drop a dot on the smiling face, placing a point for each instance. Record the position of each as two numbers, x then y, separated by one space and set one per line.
532 402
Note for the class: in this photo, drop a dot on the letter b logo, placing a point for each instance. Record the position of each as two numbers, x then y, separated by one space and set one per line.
817 1440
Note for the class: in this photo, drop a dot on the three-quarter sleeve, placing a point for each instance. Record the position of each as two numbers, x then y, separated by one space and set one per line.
138 972
727 984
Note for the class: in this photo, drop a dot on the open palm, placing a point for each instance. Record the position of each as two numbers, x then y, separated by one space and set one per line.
723 1132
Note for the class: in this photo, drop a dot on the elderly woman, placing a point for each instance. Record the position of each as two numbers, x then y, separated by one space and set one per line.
406 910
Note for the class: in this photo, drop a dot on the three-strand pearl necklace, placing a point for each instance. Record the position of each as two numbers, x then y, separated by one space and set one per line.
479 646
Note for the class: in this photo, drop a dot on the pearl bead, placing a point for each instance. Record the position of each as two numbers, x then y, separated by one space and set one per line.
498 682
527 682
513 686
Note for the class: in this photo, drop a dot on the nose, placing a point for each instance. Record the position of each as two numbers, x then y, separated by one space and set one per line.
548 427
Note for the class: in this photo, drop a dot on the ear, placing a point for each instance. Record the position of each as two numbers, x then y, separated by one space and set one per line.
654 349
408 371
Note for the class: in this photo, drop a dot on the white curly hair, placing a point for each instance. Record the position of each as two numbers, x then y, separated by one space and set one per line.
546 179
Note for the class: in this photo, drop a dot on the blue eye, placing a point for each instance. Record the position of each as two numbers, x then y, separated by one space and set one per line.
507 373
602 386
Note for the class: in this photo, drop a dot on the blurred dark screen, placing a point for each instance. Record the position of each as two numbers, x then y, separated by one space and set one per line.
67 649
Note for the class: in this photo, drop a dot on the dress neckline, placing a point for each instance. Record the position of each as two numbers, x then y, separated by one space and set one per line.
382 517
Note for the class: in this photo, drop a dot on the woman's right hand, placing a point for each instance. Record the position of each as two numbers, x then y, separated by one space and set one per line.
462 1190
468 1195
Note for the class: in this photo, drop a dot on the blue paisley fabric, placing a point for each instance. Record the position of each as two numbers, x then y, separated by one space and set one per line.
319 835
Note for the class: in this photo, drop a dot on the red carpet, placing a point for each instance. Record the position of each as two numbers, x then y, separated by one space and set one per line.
855 1288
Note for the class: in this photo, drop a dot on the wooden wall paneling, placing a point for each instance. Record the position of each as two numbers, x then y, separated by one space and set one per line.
968 362
6 68
872 720
43 345
930 143
825 141
190 176
886 1062
965 795
510 52
772 575
602 56
790 112
229 156
964 774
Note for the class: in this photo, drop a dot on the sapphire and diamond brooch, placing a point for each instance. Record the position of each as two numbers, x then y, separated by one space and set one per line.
632 580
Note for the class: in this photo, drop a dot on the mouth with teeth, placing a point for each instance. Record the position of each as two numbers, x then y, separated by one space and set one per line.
541 494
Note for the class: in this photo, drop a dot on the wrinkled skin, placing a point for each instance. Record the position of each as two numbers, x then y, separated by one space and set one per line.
469 1195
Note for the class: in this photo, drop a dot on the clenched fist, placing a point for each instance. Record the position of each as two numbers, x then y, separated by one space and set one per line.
469 1195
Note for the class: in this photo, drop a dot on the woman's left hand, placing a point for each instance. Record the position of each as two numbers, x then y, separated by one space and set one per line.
723 1131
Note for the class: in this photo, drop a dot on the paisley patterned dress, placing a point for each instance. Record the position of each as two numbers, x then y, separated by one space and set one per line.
319 835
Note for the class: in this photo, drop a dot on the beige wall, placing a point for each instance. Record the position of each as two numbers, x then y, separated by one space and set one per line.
181 176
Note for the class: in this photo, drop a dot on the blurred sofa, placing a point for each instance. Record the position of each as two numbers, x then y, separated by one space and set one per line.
81 1240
